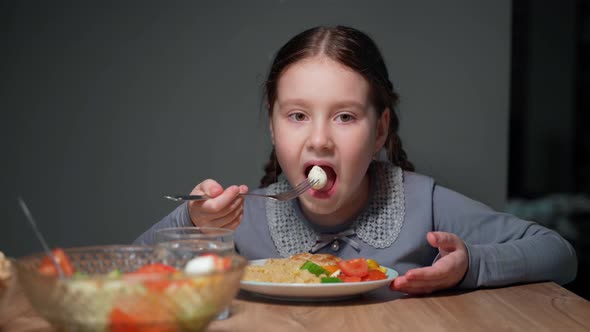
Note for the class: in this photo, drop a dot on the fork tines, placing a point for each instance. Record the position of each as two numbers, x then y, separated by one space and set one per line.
300 189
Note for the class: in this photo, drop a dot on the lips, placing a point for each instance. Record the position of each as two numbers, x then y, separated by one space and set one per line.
330 173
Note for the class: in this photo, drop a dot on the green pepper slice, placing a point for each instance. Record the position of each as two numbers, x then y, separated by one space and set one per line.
331 280
314 268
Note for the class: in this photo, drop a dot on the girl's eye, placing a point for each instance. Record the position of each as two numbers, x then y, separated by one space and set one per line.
298 116
345 117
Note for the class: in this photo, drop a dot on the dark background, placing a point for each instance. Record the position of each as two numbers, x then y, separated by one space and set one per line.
549 154
106 106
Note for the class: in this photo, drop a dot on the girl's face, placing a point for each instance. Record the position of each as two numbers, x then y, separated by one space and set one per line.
323 116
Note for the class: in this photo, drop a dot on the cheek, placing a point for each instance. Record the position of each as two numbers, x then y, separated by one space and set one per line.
286 149
359 145
279 137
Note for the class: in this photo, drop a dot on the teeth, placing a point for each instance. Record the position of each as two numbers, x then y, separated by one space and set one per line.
318 174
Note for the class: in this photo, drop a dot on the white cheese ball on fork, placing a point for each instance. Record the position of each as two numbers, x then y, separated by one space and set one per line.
318 174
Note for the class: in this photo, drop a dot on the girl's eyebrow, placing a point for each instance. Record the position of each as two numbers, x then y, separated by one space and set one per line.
293 102
349 104
336 105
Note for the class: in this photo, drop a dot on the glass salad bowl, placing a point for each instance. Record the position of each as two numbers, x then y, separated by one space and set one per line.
125 288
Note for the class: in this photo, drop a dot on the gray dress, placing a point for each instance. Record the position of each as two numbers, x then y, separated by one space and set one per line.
392 228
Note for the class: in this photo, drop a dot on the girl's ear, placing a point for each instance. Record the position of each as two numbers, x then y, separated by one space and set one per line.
382 130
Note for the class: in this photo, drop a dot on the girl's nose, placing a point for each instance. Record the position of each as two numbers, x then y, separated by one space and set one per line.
320 138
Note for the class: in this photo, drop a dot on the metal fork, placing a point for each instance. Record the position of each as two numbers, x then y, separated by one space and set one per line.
284 196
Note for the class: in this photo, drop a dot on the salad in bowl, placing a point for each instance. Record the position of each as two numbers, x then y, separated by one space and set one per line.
129 288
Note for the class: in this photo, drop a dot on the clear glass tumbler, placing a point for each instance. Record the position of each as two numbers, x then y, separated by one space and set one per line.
192 241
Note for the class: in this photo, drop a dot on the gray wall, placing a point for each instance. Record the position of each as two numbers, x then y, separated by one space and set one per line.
106 107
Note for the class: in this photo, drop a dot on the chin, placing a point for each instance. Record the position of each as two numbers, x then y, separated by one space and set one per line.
320 206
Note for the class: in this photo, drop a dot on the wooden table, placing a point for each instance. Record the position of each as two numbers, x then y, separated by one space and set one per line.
533 307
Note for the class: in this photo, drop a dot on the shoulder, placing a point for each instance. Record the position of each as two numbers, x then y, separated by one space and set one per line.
418 192
416 187
420 188
442 197
411 179
415 180
415 190
419 183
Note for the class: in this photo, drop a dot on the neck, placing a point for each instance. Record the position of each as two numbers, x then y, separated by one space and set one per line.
349 209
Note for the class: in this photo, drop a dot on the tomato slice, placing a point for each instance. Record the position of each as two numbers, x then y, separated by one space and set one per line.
120 321
221 263
356 267
48 268
161 273
155 268
157 286
346 278
140 315
374 275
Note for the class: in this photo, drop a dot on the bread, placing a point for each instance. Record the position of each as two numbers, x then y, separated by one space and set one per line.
319 259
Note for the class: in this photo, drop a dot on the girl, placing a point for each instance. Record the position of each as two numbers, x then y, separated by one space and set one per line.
331 104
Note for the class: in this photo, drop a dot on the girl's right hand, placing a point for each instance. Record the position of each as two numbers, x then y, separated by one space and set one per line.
224 209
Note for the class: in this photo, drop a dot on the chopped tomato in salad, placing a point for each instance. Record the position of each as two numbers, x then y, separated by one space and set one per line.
155 268
156 284
132 316
131 313
121 321
48 268
221 263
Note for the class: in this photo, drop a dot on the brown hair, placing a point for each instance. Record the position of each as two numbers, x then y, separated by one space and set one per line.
355 50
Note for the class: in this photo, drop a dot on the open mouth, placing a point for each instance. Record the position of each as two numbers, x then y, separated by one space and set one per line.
331 175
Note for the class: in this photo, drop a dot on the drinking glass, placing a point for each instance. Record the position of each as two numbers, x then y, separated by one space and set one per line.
189 242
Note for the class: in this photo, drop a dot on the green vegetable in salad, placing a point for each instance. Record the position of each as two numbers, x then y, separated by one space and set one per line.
79 275
114 274
331 280
314 268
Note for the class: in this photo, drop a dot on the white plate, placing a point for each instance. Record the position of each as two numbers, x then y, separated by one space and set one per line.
313 292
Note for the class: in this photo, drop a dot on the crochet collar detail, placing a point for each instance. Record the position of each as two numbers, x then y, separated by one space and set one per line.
378 224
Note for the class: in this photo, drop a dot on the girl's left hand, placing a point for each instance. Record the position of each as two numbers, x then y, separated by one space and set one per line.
445 273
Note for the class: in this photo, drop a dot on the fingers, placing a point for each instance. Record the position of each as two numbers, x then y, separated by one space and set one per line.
223 209
402 284
220 202
208 187
413 283
435 272
444 241
243 189
234 224
447 272
229 217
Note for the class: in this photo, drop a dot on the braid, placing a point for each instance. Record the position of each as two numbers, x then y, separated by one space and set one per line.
395 152
272 170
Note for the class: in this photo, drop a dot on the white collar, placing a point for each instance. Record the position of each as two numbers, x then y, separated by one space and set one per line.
378 224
